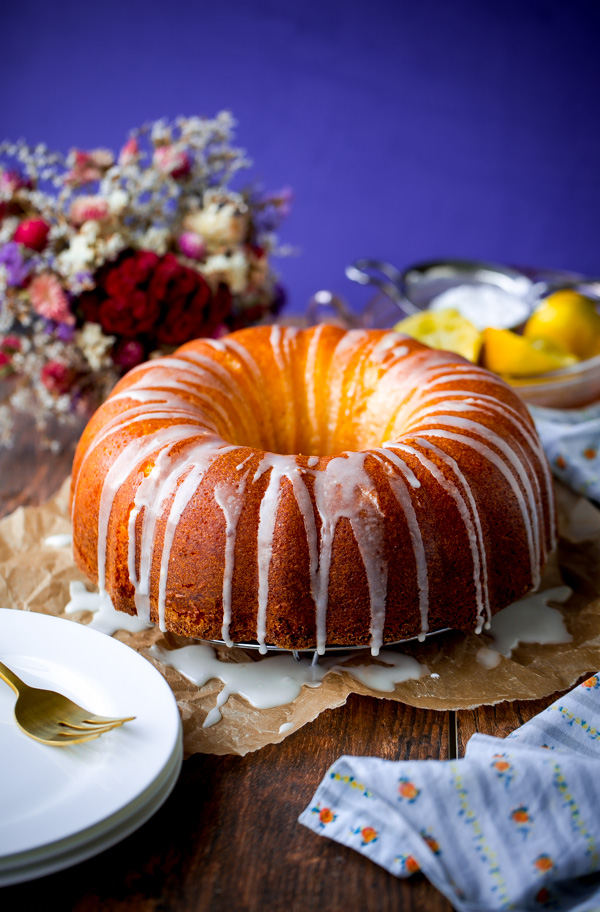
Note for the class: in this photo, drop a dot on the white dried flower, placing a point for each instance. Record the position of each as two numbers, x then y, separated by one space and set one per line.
231 268
136 207
118 200
91 229
94 345
113 245
156 240
222 221
7 228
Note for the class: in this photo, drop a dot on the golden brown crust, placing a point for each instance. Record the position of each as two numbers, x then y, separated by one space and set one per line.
465 467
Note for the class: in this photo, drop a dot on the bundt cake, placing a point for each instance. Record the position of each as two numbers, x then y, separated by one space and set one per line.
310 488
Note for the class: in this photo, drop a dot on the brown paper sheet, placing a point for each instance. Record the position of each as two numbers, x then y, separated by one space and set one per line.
36 577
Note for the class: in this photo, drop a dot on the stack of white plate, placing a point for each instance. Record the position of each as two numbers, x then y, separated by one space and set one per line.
61 805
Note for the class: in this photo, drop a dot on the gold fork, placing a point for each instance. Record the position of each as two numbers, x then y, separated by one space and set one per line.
51 718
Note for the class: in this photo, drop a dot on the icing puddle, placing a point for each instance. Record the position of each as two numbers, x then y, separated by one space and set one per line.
61 540
277 679
106 619
530 620
273 680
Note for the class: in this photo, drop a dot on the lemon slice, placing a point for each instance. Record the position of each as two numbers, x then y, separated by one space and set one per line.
446 329
570 320
505 352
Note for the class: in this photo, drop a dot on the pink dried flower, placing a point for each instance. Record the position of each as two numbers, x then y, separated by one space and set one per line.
8 346
89 166
11 344
129 152
173 161
89 208
192 245
32 233
49 299
11 182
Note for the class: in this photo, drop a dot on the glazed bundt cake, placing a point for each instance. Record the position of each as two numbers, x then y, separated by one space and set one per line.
305 488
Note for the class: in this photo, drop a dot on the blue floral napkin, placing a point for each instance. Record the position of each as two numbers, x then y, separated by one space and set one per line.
571 440
515 824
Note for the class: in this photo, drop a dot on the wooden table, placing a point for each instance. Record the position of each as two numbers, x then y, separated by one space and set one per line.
227 838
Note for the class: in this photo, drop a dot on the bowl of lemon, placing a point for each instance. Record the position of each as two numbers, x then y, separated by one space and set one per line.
552 358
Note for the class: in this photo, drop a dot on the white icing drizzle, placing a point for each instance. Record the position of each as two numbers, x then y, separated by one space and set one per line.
246 359
387 342
346 490
129 417
189 385
149 497
178 427
105 618
239 467
414 530
482 402
475 546
281 467
196 465
277 679
216 344
453 465
280 344
137 450
342 489
342 383
275 340
230 498
310 381
528 511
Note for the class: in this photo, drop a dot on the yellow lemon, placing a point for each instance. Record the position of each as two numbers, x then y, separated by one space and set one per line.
505 352
446 329
570 320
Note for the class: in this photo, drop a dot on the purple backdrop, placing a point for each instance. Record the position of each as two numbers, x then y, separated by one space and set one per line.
408 130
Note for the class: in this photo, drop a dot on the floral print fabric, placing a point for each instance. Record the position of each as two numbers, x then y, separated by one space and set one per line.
515 824
571 440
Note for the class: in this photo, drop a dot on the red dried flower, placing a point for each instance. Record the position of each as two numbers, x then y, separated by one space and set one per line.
154 301
57 377
127 353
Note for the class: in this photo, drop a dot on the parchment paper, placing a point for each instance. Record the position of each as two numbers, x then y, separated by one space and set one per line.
36 577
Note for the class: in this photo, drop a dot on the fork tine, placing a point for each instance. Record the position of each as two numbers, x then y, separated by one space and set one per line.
63 741
77 715
106 720
62 738
82 729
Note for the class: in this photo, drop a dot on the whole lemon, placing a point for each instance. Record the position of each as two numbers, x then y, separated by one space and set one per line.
570 320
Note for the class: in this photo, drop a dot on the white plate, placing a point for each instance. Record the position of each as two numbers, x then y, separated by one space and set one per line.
61 805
